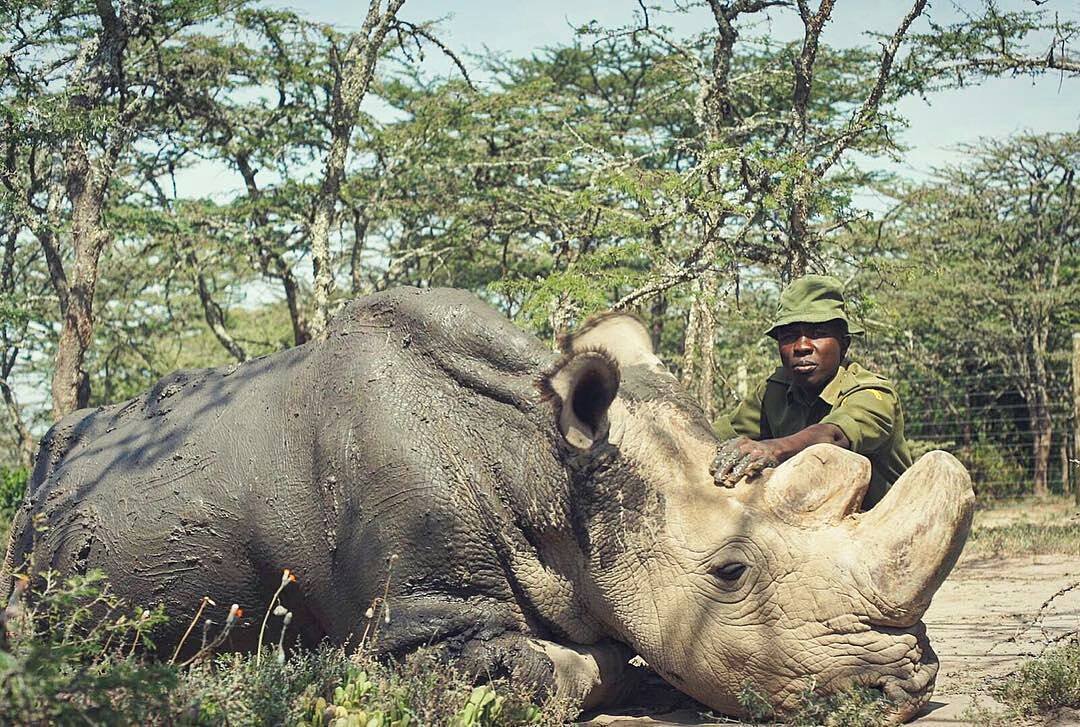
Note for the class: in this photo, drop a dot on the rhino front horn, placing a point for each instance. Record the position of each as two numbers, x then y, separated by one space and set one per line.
911 539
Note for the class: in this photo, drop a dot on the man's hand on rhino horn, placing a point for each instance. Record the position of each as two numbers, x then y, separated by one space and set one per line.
728 457
741 457
751 465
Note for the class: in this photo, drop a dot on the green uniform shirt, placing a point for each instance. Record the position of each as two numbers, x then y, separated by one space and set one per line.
864 405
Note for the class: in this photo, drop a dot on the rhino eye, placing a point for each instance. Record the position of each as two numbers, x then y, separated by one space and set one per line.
730 572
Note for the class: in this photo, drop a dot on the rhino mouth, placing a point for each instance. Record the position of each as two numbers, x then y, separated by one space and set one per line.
906 683
911 689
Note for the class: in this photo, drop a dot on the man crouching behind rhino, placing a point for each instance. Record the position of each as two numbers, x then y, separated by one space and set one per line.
550 515
815 396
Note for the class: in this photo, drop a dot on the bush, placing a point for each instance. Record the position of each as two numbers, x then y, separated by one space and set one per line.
73 657
77 654
421 690
993 474
328 688
919 447
1044 684
854 707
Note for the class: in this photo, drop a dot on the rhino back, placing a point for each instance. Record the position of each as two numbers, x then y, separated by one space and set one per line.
165 492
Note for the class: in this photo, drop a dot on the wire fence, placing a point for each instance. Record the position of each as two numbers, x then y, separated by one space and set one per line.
985 420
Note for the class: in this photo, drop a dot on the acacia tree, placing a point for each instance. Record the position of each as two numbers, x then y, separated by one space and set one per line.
760 165
83 86
992 254
776 142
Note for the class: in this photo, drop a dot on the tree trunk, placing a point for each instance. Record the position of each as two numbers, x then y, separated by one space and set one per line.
212 313
715 113
658 311
1076 413
1066 484
563 313
70 382
356 272
1041 445
1042 430
699 356
353 79
271 261
100 64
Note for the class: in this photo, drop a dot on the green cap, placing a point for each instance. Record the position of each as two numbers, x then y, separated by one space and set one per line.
812 299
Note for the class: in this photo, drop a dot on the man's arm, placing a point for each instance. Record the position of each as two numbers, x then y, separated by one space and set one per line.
784 448
862 422
743 457
867 417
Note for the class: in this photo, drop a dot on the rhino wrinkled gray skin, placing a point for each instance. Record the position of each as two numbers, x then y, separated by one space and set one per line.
549 515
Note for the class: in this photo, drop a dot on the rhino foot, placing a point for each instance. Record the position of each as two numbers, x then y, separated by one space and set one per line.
589 675
584 676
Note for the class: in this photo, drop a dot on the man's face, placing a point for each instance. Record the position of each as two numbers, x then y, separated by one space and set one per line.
811 352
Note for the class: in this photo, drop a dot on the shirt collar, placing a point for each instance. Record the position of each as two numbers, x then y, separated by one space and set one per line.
830 394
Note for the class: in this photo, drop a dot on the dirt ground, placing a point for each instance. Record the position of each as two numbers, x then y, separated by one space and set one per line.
982 623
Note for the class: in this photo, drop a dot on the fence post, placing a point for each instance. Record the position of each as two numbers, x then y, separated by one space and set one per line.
1076 412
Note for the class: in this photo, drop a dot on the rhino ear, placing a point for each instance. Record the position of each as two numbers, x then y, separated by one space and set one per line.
623 335
582 386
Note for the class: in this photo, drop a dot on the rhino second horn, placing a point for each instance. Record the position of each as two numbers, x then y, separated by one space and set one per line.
818 487
913 537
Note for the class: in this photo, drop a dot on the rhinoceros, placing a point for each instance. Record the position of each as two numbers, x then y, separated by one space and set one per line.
539 515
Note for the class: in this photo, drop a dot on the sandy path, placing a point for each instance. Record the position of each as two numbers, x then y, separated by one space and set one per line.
977 626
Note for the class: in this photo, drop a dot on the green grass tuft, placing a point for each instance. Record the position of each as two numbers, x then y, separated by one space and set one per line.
1044 684
854 707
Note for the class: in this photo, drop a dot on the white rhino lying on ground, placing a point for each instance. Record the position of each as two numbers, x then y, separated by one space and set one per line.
549 515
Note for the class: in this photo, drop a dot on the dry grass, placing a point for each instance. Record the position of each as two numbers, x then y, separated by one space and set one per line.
1026 526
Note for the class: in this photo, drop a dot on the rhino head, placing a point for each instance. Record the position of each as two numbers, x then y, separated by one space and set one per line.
780 582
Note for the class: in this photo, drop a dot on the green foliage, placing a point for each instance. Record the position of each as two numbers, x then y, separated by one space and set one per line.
12 489
993 472
234 689
424 692
755 703
1046 683
76 653
327 687
600 171
853 707
73 656
984 262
